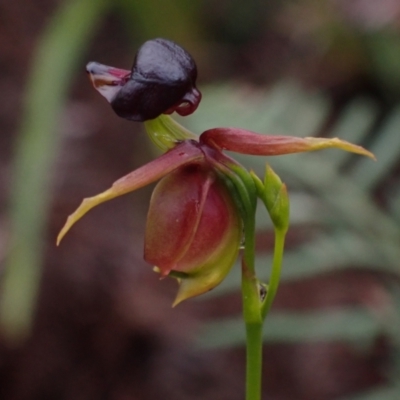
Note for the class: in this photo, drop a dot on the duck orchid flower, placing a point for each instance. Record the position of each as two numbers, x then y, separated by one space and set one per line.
198 209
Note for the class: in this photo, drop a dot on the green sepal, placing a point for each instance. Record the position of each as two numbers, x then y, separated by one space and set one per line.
241 187
275 197
165 132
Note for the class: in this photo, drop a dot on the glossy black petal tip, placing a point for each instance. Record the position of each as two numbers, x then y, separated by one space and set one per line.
162 80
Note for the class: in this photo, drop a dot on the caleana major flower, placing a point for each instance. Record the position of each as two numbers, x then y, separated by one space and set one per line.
203 200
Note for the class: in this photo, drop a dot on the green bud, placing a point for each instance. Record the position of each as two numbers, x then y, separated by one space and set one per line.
274 195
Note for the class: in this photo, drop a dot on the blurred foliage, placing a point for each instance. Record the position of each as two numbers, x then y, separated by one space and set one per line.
332 190
147 19
335 191
58 54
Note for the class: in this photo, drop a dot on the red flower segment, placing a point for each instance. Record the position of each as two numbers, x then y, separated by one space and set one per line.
198 209
194 226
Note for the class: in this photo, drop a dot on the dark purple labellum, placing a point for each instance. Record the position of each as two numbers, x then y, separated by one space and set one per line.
163 80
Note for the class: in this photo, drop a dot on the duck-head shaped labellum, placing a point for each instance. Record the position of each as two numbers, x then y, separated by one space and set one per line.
162 80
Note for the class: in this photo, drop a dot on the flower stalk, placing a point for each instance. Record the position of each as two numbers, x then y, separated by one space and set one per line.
252 315
257 297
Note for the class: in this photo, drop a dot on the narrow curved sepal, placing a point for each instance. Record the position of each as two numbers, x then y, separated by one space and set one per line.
149 173
86 205
247 142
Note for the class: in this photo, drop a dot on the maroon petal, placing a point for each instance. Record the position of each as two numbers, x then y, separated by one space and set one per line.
247 142
183 153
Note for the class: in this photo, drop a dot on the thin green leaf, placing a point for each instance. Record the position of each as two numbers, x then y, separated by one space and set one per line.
59 50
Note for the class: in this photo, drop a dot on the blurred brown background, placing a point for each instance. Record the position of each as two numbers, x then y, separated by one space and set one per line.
90 320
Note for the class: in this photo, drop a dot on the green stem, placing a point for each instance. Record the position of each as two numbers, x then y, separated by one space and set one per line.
253 360
275 272
252 315
245 194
